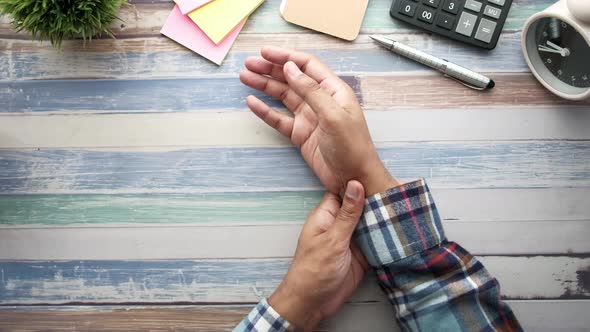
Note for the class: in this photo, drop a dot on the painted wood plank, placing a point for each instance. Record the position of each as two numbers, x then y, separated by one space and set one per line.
223 281
146 18
143 241
446 165
130 95
391 92
158 57
537 316
462 205
199 129
227 94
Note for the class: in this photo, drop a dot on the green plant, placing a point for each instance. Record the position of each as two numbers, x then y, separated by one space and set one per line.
55 20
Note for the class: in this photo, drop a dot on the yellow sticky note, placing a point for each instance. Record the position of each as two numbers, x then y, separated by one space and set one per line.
218 18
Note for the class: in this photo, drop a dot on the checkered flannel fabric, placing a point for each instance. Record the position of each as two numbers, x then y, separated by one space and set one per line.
399 223
263 318
435 285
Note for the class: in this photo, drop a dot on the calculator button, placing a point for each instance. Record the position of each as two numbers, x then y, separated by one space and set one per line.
473 5
492 12
431 3
408 8
485 31
451 6
498 2
426 15
466 24
445 21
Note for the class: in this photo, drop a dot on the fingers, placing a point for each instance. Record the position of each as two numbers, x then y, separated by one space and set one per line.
272 88
308 63
309 90
263 67
281 122
350 211
323 216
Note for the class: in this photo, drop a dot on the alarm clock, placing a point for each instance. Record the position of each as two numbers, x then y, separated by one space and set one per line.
556 46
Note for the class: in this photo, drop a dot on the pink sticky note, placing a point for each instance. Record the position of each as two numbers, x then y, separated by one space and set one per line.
187 6
184 31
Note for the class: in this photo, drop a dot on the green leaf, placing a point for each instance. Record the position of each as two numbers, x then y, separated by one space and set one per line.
56 20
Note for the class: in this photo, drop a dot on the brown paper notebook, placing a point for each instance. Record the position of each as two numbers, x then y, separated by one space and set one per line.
339 18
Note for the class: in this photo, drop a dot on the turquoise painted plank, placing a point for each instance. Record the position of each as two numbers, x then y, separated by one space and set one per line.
264 208
171 95
446 165
157 209
159 59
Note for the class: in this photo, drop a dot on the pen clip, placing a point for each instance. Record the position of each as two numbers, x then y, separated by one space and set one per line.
465 84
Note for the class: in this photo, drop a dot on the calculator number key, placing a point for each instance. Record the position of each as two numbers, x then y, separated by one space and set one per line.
408 8
431 3
426 15
451 6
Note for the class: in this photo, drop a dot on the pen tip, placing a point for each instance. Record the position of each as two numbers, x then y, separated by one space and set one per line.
491 85
382 40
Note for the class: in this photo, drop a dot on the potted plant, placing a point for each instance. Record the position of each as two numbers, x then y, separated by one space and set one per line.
56 20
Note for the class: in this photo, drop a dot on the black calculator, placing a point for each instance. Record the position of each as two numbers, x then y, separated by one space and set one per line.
475 22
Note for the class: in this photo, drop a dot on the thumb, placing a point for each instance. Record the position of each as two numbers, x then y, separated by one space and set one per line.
350 211
320 101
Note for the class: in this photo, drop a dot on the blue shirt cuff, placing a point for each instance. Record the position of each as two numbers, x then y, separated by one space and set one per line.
263 318
401 222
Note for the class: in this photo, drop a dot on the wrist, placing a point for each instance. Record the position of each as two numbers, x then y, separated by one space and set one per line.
292 307
377 179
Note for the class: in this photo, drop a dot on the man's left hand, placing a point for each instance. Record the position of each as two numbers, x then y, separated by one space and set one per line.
327 266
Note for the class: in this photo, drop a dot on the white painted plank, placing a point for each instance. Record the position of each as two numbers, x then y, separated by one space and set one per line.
509 204
140 242
200 129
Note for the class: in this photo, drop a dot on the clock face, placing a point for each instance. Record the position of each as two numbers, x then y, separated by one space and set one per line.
563 51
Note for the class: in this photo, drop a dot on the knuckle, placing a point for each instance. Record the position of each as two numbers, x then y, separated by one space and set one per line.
348 211
310 85
284 95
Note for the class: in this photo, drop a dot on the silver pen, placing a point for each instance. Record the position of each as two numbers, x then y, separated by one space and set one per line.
462 75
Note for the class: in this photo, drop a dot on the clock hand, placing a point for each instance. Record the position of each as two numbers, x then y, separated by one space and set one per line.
549 50
563 51
554 46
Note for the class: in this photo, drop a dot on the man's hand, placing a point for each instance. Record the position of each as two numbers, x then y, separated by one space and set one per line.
328 125
327 267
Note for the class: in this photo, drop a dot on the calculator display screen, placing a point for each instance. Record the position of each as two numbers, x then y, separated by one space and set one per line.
563 51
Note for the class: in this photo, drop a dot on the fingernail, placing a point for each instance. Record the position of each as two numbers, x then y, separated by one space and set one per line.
292 69
352 192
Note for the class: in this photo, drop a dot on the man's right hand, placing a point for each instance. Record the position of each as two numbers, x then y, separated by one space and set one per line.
328 125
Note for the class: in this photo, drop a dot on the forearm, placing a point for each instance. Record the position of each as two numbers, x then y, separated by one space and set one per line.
434 284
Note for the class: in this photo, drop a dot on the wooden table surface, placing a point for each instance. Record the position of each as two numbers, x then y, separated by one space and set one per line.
139 193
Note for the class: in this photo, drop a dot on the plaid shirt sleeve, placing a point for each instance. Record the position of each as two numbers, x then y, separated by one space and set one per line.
263 318
434 284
